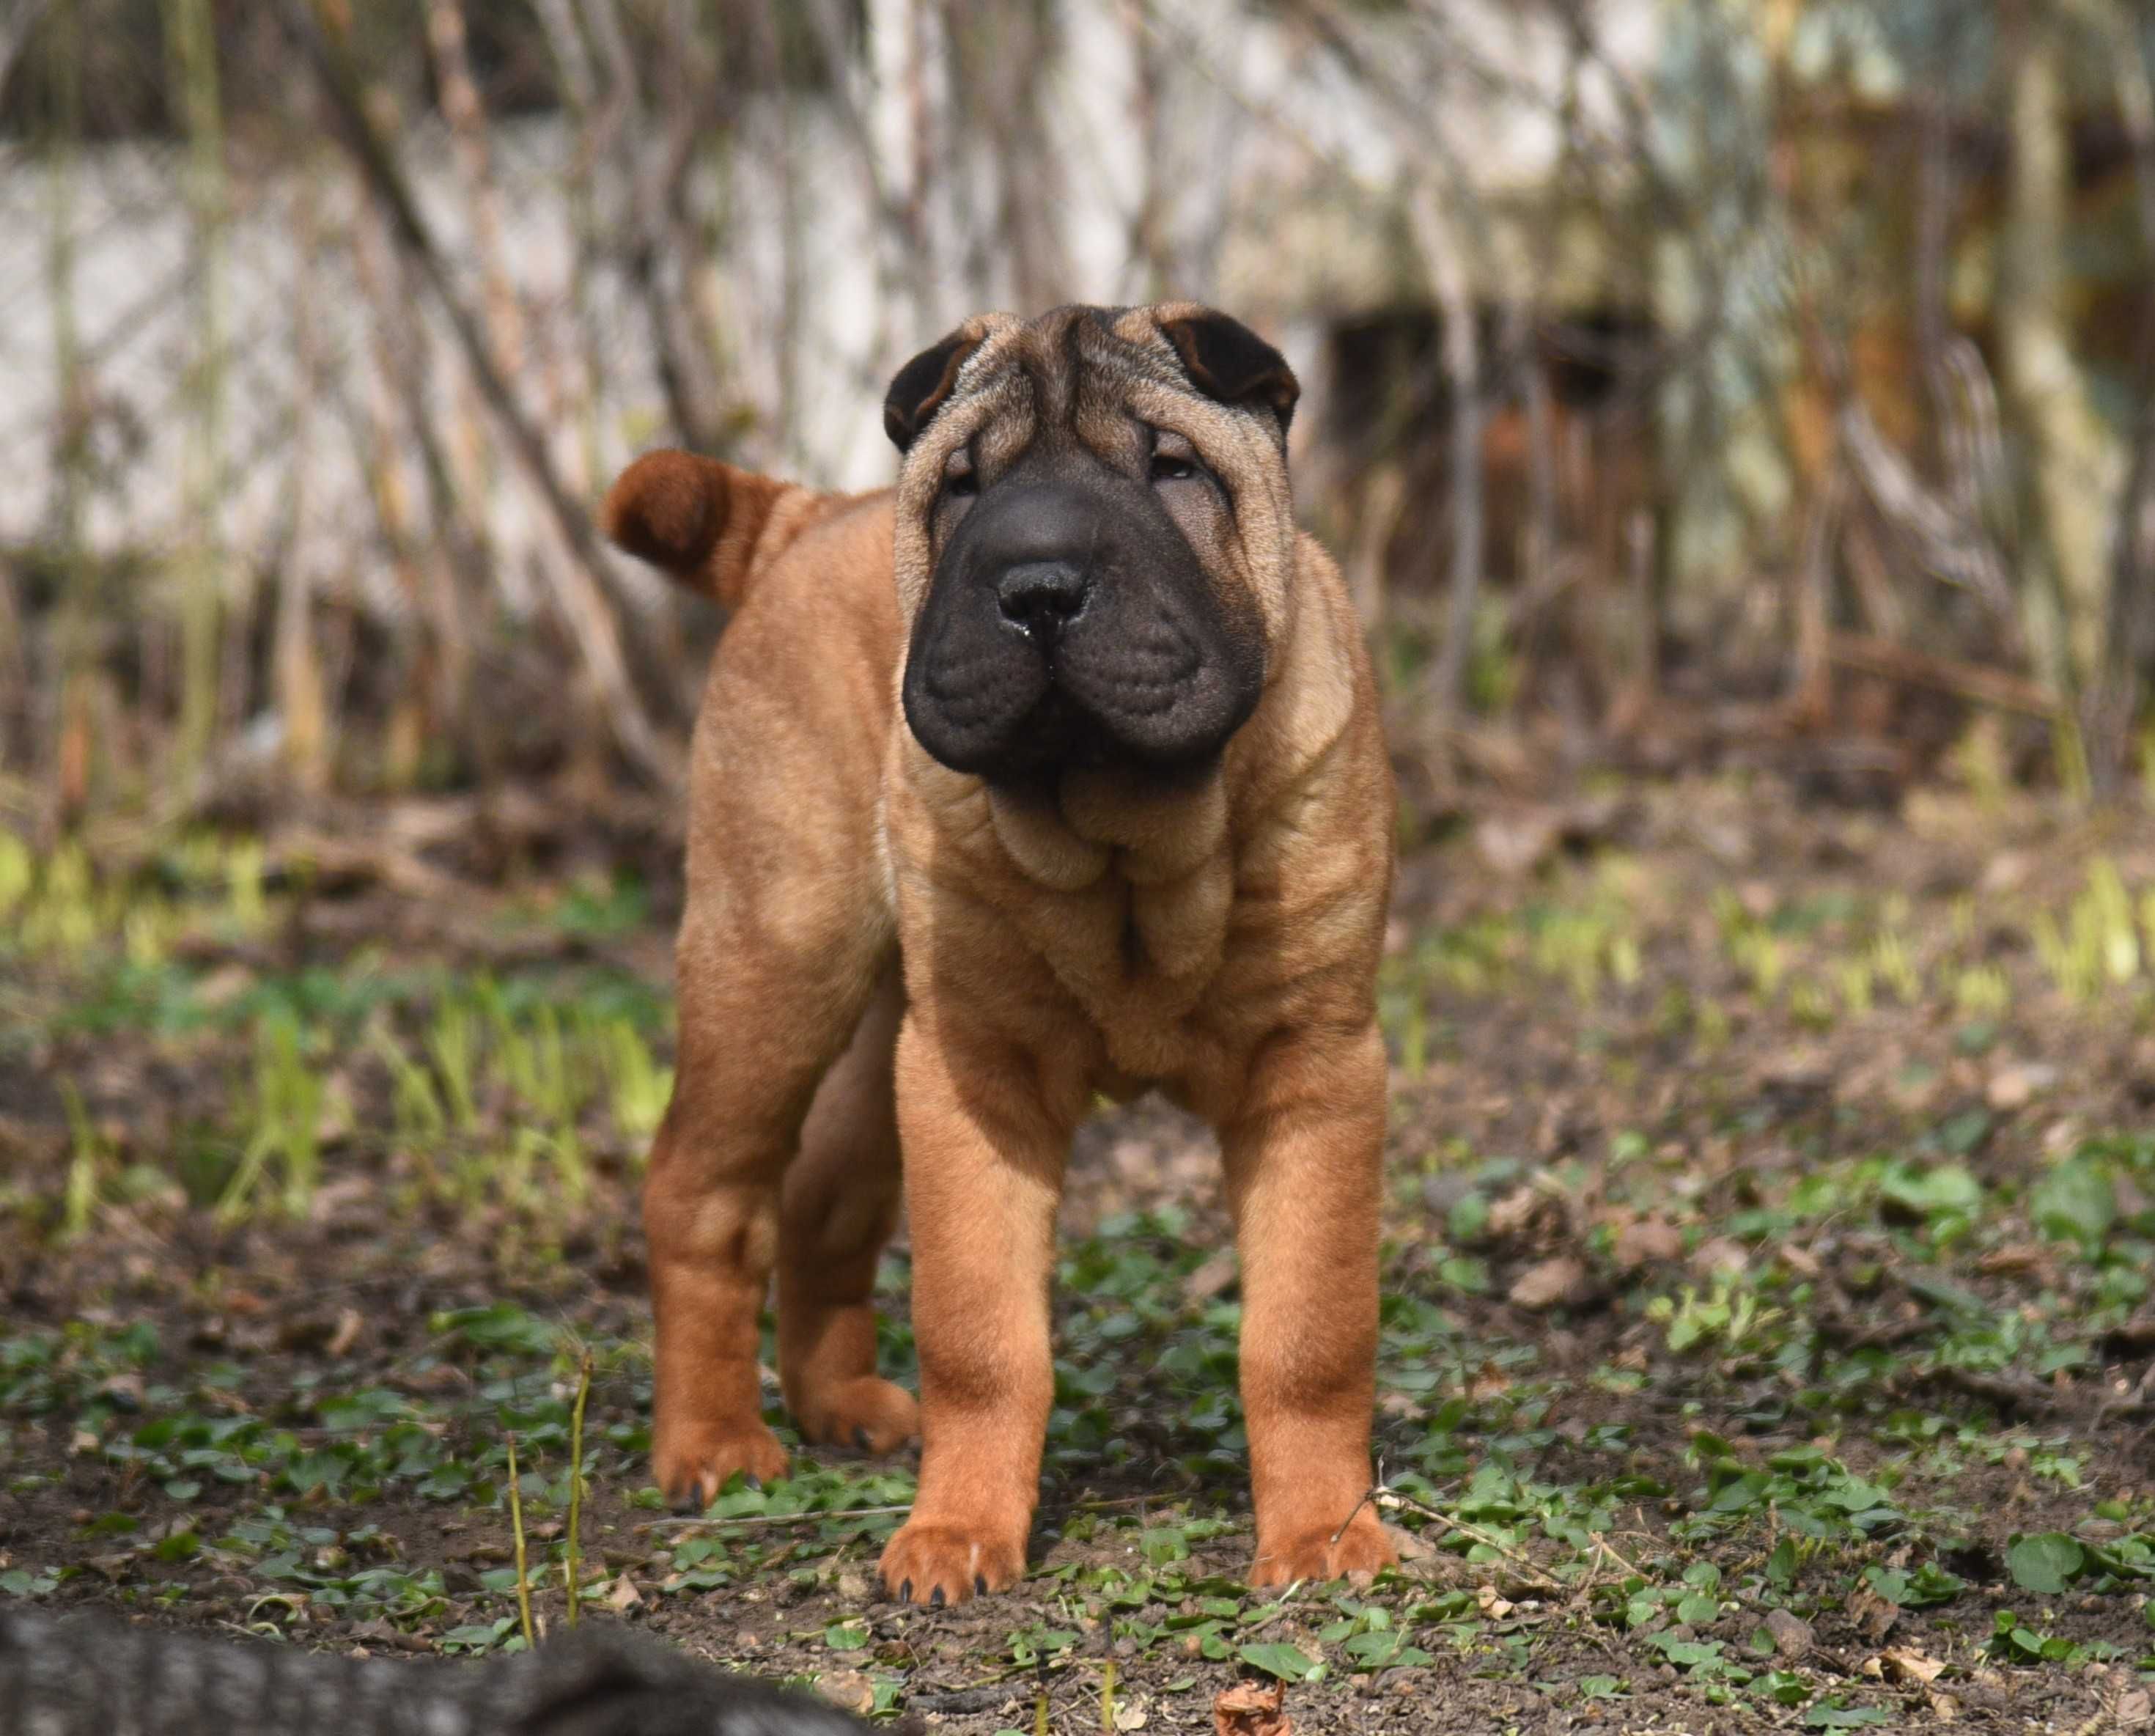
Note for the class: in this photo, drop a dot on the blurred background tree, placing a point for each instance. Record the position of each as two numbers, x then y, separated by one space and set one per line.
1688 381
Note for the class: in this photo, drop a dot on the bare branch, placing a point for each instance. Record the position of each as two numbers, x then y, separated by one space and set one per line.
590 618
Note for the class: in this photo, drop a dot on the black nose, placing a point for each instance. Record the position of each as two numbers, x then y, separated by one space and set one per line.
1041 597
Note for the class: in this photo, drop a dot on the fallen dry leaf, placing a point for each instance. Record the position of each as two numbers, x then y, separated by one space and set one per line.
1513 842
1511 1216
2135 1707
2013 1088
1650 1239
624 1596
1558 1279
1211 1278
2005 870
1488 1383
1906 1664
2016 1258
349 1326
850 1689
1251 1708
1875 1614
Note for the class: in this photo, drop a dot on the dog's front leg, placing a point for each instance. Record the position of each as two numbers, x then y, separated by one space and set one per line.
984 1148
1303 1156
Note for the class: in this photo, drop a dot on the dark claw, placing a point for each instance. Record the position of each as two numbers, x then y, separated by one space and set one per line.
861 1439
687 1500
752 1480
905 1592
981 1584
935 1599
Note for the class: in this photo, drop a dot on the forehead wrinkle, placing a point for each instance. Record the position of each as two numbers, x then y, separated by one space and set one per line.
1112 373
986 400
1006 434
1074 347
1133 346
979 372
1135 325
1051 365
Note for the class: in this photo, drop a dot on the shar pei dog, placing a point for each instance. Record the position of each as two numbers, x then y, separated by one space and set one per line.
1055 770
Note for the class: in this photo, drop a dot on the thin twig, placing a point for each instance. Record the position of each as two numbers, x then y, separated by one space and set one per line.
1976 683
575 1561
1387 1497
1606 1548
516 1527
692 1521
1368 1496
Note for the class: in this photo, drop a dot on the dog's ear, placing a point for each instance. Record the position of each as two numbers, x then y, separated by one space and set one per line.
1227 360
921 386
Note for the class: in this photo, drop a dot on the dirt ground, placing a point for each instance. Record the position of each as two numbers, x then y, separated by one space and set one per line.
1767 1335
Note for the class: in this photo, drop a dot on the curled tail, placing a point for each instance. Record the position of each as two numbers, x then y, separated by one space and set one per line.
711 525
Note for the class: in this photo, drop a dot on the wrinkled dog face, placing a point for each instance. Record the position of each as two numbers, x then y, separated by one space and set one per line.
1094 538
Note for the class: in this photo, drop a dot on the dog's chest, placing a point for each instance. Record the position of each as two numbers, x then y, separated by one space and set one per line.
1121 900
1140 956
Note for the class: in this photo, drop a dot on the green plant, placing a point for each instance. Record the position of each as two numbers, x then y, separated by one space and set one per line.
639 1089
1730 1314
289 1097
2098 944
88 1157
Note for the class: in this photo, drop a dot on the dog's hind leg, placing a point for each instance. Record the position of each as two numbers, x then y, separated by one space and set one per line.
840 1205
775 970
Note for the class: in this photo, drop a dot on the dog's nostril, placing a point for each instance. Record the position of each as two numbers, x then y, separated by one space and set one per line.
1042 596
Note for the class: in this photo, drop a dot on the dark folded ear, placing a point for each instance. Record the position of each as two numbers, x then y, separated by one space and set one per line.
922 385
1227 360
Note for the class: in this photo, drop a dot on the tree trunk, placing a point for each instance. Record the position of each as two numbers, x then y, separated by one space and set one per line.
191 47
654 153
576 576
296 670
77 647
2129 637
2071 469
1444 257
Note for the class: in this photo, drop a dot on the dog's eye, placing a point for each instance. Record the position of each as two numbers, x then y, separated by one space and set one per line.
1166 467
963 483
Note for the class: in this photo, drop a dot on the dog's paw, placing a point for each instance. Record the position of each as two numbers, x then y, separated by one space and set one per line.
691 1465
867 1412
937 1564
1361 1551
